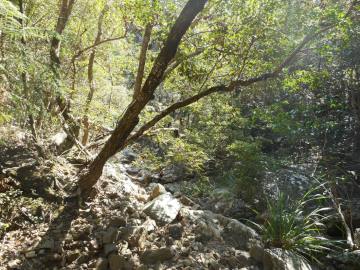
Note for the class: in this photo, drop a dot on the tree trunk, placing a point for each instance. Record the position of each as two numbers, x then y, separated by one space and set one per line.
142 59
73 126
91 82
130 118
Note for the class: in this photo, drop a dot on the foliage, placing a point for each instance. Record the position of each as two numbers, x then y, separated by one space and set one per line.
297 226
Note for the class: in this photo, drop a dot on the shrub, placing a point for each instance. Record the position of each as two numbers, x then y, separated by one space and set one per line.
297 226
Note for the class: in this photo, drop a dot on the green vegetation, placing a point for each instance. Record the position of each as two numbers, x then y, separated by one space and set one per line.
240 95
292 226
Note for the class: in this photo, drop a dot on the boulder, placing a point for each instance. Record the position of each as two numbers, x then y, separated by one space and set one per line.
127 156
101 264
357 237
173 173
349 260
211 226
175 231
163 209
238 234
117 222
109 236
157 190
156 256
118 262
279 259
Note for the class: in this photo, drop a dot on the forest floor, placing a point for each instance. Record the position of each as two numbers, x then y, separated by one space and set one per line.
127 223
111 231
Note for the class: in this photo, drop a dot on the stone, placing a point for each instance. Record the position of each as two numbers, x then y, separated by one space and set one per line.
30 254
243 258
109 236
157 190
357 237
349 260
257 252
156 256
207 231
132 171
175 231
59 138
149 225
239 235
94 244
186 201
126 232
72 256
14 264
279 259
108 248
173 173
163 209
128 156
101 264
119 262
47 244
117 222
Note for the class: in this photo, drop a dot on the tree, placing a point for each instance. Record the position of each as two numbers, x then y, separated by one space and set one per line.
121 136
131 116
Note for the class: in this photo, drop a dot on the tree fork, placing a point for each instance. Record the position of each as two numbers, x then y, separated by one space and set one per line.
131 116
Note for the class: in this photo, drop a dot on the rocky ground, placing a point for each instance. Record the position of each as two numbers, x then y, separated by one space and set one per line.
129 223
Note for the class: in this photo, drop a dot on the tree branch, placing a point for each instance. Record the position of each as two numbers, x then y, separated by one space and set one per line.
175 63
231 87
142 59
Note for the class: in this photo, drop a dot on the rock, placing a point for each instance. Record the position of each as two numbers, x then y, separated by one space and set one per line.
207 231
14 264
72 256
117 222
293 181
108 248
279 259
134 235
47 244
186 201
110 235
30 254
347 260
239 235
128 156
119 262
94 244
156 256
173 173
157 190
132 171
243 258
257 251
101 264
59 138
175 231
231 261
163 208
149 225
357 237
126 233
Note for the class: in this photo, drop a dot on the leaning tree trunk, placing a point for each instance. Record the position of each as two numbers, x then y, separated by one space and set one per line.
130 118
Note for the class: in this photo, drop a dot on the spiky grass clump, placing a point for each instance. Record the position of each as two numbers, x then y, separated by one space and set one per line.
292 226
